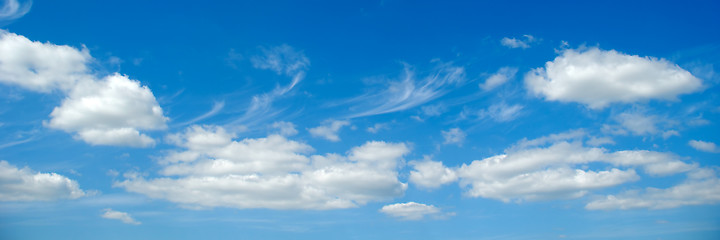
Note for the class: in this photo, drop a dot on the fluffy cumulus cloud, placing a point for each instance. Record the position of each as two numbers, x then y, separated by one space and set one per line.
704 146
431 174
273 172
550 167
41 67
597 78
413 211
106 111
110 112
702 187
330 130
26 185
499 78
117 215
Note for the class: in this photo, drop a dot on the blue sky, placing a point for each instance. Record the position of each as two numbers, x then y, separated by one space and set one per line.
359 120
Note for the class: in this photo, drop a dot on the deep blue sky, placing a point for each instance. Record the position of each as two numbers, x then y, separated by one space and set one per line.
358 120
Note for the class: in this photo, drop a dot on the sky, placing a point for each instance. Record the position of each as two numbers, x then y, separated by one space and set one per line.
359 120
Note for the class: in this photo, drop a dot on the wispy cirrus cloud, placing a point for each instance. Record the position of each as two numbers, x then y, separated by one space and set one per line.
409 91
283 60
13 9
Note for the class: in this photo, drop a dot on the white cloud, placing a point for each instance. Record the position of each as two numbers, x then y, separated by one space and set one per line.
110 112
377 127
431 174
14 10
409 92
454 136
551 167
413 211
122 216
27 185
501 112
704 146
518 42
272 172
669 133
283 60
285 128
499 78
433 110
330 130
702 187
638 124
107 111
41 67
217 107
598 78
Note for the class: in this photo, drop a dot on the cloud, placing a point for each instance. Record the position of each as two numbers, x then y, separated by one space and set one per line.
14 9
377 127
110 112
518 42
122 216
501 112
454 136
27 185
499 78
409 92
640 124
285 128
597 78
704 146
330 130
283 60
107 111
273 172
702 187
216 108
431 174
413 211
41 67
551 167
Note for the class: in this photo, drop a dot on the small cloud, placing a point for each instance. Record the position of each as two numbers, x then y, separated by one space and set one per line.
330 130
454 136
377 127
414 211
704 146
499 78
285 128
433 110
523 42
670 133
501 112
122 216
